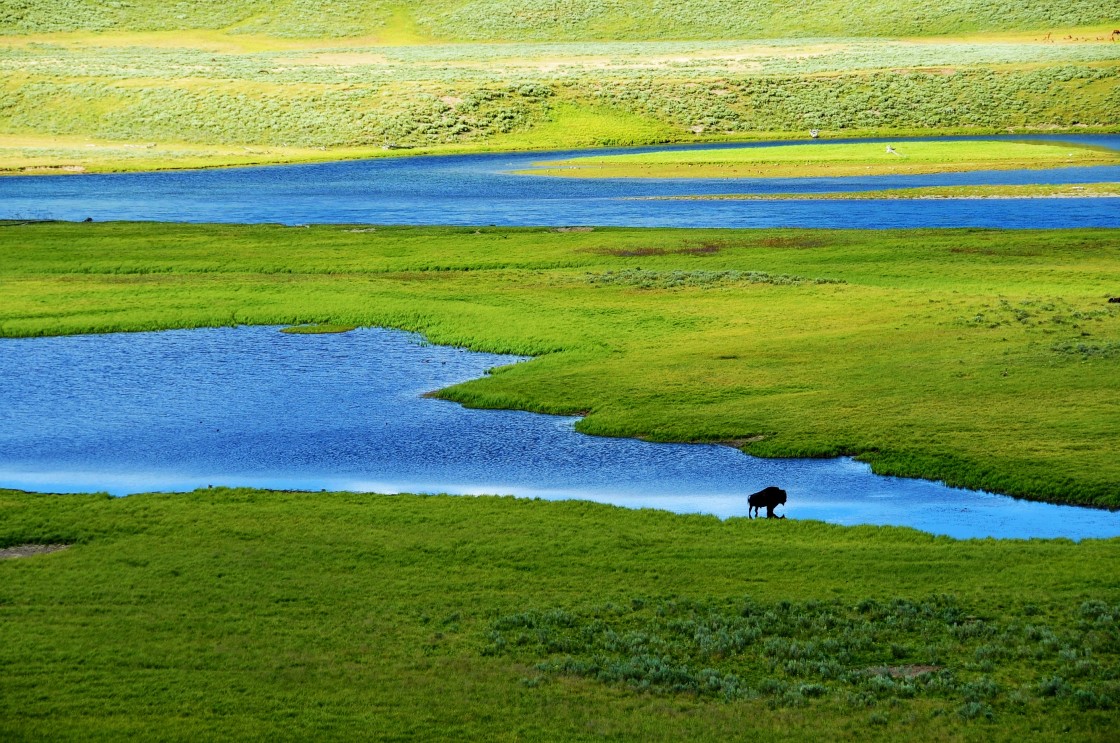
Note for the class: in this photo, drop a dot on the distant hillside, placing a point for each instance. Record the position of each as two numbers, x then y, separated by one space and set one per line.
514 20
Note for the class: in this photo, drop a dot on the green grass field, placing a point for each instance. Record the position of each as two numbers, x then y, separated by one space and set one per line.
297 616
97 87
830 160
988 359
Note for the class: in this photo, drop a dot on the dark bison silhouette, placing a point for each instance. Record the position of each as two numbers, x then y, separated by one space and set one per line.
768 498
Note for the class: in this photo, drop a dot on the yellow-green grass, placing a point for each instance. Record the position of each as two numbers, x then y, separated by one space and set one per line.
30 154
231 41
1011 191
824 160
583 20
988 359
208 97
564 126
297 616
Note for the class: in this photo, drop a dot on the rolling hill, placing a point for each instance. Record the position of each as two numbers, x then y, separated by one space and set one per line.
141 84
566 20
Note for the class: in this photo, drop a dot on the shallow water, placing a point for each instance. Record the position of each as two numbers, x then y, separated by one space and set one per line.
479 190
178 410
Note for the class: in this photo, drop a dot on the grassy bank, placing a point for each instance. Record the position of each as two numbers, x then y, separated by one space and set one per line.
291 616
987 359
1028 191
830 160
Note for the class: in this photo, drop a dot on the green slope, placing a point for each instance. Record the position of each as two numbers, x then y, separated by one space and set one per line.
146 85
509 20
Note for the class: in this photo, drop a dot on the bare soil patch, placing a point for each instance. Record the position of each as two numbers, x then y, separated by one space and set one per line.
29 550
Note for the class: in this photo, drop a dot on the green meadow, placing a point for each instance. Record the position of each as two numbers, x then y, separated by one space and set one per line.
101 87
295 616
984 358
988 359
831 160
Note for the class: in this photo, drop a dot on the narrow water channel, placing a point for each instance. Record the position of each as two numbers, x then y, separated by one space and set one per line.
481 189
250 406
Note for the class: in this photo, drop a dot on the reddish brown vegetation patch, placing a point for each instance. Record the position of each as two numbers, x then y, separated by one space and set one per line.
793 241
705 248
631 252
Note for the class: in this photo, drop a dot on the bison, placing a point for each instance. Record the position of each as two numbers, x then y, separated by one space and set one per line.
768 498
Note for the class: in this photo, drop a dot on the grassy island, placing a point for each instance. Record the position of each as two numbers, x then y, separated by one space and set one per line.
1028 191
823 160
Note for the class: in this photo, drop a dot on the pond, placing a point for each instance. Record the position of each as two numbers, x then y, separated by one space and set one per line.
480 190
250 406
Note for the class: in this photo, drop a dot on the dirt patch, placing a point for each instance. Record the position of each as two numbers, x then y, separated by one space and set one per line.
902 672
29 550
740 443
54 169
572 229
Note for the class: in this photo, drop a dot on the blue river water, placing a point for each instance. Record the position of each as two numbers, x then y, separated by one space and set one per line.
481 190
250 406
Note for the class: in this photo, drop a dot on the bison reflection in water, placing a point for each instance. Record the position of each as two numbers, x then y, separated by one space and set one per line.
768 498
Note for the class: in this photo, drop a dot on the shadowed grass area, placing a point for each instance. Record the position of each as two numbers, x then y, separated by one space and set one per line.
984 358
826 160
249 614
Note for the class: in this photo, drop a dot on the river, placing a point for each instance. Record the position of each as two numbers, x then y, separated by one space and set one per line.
481 190
250 406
